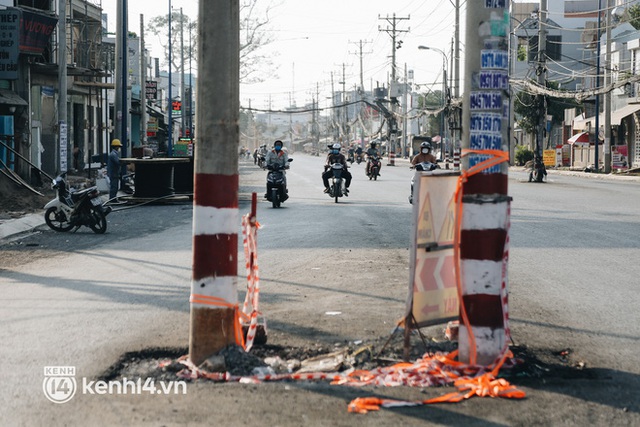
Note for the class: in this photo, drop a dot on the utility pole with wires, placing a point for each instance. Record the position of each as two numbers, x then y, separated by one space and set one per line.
361 90
395 44
345 107
541 71
361 54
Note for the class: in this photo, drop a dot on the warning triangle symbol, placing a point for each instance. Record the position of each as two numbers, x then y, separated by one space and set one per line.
426 233
448 225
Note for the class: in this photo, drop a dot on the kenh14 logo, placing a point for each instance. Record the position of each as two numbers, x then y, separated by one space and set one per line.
59 384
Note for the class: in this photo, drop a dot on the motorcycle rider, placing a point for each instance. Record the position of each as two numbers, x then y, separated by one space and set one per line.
372 151
278 156
335 156
424 155
359 152
351 152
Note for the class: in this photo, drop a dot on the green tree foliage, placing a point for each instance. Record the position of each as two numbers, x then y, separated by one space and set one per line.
523 155
529 108
432 101
634 16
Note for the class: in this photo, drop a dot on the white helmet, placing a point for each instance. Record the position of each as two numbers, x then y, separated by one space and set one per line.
336 146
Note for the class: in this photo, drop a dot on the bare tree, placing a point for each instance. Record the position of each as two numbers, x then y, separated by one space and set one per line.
254 36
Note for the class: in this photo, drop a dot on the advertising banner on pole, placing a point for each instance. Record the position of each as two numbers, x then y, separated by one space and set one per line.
433 297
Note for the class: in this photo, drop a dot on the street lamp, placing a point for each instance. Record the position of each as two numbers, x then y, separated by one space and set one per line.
444 92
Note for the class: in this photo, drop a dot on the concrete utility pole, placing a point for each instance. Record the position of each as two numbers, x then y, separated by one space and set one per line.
143 86
63 147
361 90
456 56
599 34
183 99
541 72
392 31
607 96
456 86
482 250
122 112
345 107
170 94
214 294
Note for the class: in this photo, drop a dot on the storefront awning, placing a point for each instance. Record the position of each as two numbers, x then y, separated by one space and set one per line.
9 97
579 137
580 123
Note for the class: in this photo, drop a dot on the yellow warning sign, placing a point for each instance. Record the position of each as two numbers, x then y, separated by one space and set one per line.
426 232
448 226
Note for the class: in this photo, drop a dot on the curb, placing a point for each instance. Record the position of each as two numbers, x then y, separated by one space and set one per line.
21 225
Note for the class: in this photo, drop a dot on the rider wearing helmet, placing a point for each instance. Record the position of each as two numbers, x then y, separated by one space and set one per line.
335 156
371 151
424 155
280 157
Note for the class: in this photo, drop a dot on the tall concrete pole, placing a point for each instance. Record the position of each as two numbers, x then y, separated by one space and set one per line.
63 144
607 96
597 86
121 109
170 94
214 294
456 56
183 99
483 237
143 86
541 73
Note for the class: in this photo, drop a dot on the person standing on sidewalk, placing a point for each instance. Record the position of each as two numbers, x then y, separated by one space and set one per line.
113 168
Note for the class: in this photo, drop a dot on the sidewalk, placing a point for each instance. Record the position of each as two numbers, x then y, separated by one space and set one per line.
12 227
15 226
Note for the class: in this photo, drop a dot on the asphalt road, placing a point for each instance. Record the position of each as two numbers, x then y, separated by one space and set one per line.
84 300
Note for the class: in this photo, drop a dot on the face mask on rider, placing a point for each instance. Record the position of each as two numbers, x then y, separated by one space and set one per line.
425 150
278 148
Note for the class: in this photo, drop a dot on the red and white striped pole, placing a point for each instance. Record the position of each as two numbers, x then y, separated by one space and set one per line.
392 149
485 203
456 159
214 294
483 239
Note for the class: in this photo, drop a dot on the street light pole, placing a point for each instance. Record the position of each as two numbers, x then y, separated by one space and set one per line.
607 96
170 106
444 95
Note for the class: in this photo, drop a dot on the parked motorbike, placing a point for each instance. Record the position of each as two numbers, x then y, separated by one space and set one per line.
374 168
277 191
75 208
337 188
421 167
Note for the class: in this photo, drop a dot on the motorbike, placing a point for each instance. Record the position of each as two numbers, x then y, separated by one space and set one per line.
75 208
374 168
359 158
277 191
538 171
350 157
337 188
421 167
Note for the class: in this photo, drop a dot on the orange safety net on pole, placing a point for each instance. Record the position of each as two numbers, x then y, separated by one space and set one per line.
250 311
495 157
471 380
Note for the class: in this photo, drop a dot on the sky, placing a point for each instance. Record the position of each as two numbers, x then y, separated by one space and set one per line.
313 39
